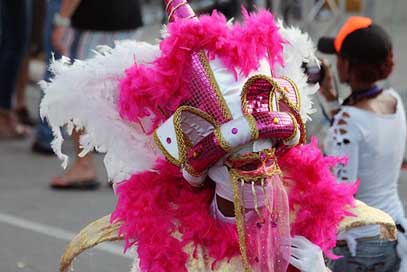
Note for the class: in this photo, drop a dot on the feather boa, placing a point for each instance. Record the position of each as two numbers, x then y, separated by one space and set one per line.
154 205
317 199
159 89
85 95
157 206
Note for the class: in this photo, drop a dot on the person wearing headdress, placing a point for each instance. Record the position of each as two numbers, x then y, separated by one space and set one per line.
204 136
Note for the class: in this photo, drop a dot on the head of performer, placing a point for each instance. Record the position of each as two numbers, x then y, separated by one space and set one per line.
231 120
364 52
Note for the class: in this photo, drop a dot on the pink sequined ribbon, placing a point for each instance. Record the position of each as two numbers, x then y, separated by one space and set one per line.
178 9
269 125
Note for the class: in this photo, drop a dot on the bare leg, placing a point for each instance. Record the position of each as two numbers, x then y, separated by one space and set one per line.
82 173
21 88
22 81
13 39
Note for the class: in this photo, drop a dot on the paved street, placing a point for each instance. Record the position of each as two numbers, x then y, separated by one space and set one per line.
36 222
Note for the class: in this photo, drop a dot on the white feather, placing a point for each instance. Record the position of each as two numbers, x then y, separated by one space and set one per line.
298 49
85 94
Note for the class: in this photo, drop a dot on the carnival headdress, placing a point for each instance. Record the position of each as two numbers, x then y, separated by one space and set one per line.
208 89
212 91
200 71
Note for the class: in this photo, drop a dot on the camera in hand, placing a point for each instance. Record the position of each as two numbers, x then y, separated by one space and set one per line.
314 72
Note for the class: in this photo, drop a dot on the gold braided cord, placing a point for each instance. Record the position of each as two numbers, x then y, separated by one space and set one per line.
254 132
272 99
251 155
239 221
295 110
200 113
224 107
184 141
180 136
221 140
175 8
295 128
236 157
163 150
297 93
256 204
297 116
192 171
257 179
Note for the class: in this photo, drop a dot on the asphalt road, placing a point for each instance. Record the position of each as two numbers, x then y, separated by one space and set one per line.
36 222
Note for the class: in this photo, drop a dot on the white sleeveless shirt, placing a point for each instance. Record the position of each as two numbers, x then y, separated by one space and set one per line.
374 145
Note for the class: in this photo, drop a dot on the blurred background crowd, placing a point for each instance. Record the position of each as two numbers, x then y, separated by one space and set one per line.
34 32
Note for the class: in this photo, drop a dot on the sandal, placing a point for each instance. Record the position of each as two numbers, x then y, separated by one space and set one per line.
41 149
86 185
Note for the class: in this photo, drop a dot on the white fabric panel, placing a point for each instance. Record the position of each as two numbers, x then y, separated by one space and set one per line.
195 126
166 130
243 135
261 145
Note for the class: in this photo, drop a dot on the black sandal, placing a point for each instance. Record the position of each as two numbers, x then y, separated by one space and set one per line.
84 185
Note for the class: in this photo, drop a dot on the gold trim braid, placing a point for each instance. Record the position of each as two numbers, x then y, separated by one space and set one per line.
239 220
224 107
254 132
297 116
163 150
297 92
182 141
221 140
294 120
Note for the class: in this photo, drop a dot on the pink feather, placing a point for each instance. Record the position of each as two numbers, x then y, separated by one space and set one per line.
158 89
152 205
320 200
